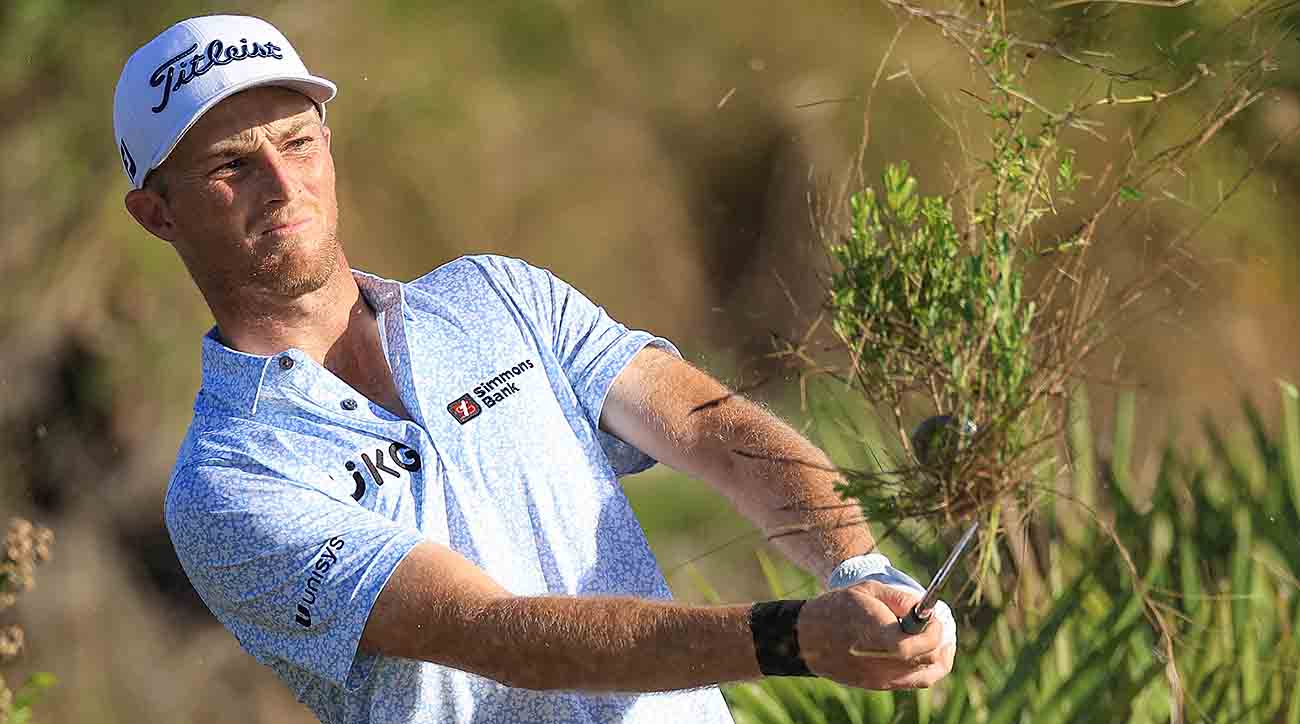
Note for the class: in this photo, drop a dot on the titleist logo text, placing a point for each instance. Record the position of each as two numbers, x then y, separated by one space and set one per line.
187 65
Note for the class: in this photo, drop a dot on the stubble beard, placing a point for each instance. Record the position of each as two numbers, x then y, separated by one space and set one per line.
294 272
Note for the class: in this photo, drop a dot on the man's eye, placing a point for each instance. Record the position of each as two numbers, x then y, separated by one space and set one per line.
298 144
232 165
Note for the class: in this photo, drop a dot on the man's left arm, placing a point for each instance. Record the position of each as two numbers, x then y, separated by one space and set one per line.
775 477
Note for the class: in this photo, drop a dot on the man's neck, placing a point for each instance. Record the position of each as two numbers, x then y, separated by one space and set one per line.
315 322
334 325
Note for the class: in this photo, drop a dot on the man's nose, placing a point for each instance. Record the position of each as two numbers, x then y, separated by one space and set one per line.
277 177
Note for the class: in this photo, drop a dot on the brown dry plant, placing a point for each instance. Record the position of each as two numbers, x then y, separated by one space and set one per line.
25 547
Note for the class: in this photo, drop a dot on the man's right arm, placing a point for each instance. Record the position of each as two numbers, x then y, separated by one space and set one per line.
439 607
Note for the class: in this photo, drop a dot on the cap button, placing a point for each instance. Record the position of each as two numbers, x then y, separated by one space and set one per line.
286 362
349 404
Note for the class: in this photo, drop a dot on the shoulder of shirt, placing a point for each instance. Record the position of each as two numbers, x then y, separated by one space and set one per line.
212 445
469 276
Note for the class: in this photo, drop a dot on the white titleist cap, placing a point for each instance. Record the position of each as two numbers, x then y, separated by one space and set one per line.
190 67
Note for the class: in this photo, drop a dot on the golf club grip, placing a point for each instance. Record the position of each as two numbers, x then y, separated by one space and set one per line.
912 623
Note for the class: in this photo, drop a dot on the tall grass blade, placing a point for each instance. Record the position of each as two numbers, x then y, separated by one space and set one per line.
1098 668
796 699
706 589
1291 440
1084 478
759 703
1018 688
1122 450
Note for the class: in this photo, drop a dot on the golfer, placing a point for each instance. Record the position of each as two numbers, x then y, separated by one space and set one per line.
404 497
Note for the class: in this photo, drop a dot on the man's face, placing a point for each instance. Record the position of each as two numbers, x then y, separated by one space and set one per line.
247 197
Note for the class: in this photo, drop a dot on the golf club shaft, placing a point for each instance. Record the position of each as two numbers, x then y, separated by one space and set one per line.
919 617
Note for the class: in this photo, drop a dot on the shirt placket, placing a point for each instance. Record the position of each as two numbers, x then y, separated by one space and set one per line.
302 382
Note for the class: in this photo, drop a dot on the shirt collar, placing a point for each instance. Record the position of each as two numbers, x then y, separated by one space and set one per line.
239 380
380 293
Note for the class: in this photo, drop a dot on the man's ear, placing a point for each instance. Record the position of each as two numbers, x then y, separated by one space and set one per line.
152 212
325 132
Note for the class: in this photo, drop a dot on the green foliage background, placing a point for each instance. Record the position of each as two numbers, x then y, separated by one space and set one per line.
660 156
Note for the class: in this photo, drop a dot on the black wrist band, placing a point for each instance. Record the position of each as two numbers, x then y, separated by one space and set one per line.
776 638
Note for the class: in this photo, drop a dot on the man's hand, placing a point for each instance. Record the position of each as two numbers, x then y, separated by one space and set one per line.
852 636
876 567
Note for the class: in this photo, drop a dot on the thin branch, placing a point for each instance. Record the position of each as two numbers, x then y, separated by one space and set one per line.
1148 3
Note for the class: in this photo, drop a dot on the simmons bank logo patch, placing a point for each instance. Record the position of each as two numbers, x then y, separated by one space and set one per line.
489 393
464 409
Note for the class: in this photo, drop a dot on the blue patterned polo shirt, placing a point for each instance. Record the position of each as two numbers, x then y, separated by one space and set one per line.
294 497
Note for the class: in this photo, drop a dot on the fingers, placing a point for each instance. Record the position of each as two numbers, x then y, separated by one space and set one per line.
887 639
922 678
943 615
929 657
853 636
932 673
916 674
875 567
899 600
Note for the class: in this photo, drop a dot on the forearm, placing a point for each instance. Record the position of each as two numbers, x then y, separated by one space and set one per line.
783 483
606 644
776 478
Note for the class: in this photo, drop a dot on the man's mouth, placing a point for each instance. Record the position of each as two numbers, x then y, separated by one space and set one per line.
287 228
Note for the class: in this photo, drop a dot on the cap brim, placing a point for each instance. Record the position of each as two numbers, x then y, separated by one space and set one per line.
318 89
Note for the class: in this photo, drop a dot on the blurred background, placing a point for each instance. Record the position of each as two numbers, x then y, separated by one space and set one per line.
662 157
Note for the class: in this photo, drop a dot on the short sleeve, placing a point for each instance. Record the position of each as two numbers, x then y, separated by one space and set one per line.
592 347
290 570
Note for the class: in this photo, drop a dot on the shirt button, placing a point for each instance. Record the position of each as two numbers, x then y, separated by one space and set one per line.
286 362
349 404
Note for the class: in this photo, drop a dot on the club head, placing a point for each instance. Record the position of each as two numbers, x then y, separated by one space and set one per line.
936 441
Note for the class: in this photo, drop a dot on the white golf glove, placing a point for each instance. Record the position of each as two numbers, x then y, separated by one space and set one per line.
875 567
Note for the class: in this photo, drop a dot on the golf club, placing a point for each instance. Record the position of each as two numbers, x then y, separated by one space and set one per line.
919 617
